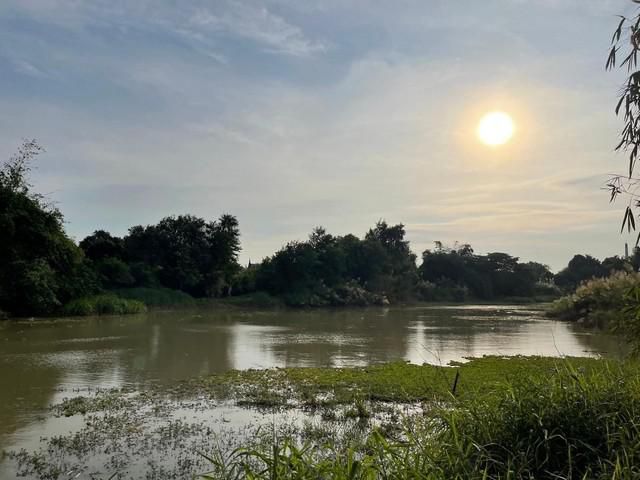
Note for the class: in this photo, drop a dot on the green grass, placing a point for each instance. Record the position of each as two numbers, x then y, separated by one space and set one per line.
107 304
157 297
526 418
394 382
255 300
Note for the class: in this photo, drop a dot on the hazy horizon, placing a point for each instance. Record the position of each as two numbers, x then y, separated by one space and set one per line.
291 115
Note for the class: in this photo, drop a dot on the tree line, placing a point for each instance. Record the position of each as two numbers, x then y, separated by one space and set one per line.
42 269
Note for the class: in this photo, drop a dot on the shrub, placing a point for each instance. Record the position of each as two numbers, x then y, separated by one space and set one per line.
79 308
350 293
443 291
599 301
36 287
256 299
157 297
114 273
107 304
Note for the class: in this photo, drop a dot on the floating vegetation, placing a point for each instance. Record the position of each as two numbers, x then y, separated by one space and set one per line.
308 415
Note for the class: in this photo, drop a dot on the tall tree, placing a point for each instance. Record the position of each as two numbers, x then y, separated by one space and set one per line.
485 276
186 253
579 269
100 245
40 267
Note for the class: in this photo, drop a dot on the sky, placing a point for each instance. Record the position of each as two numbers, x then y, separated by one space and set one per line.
293 114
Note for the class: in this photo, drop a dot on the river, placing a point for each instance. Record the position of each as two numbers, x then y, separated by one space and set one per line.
42 361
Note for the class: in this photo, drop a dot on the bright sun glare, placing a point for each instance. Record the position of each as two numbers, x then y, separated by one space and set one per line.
495 128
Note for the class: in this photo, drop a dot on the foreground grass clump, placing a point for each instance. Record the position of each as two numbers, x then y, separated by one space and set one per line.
601 301
572 425
107 304
157 297
568 424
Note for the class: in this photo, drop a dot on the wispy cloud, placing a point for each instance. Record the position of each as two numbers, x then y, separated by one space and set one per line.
258 24
27 68
293 114
197 21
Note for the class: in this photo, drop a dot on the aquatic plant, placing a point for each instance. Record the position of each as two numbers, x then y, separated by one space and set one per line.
519 417
574 424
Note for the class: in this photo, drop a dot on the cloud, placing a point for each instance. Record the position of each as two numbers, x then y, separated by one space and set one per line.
199 23
259 25
26 68
295 114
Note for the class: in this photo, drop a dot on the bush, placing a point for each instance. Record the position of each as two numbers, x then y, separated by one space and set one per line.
257 299
157 297
107 304
600 301
144 274
79 308
245 281
350 293
35 287
114 273
443 291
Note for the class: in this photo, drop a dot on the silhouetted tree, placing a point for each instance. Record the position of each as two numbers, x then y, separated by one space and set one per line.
484 276
579 269
186 253
40 267
335 270
100 245
616 264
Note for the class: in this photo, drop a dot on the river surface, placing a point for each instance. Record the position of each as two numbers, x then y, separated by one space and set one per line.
42 361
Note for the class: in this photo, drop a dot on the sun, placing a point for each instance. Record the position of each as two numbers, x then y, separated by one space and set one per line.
495 129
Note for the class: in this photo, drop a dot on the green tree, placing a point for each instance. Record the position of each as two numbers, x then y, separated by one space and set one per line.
186 253
484 276
328 269
223 238
100 245
616 264
579 269
398 273
40 267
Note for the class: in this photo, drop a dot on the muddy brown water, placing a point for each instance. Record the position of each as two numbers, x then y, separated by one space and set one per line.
43 361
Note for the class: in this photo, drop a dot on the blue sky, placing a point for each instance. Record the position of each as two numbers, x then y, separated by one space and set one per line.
292 114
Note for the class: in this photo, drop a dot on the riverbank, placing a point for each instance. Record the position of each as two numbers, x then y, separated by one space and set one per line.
479 419
140 300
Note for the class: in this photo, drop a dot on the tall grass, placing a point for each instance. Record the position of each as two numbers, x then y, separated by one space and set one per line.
564 425
157 297
600 301
255 299
107 304
570 426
